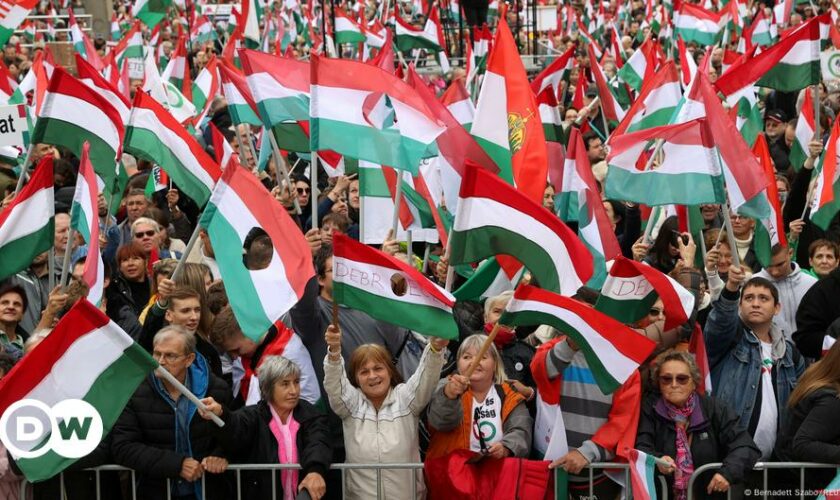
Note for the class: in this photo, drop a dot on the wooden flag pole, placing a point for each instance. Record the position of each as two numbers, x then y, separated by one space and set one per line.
281 163
334 313
188 394
314 192
179 267
23 171
727 221
397 199
481 352
65 265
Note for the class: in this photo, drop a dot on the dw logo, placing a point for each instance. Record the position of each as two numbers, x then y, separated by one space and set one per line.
71 428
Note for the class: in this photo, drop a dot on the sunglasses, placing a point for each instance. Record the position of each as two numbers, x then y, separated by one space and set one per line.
143 234
302 190
681 379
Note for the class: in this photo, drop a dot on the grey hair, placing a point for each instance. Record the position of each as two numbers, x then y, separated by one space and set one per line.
675 355
504 296
272 370
178 331
147 221
35 339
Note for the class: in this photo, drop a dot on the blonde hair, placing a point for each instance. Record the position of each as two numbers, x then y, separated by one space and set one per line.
475 342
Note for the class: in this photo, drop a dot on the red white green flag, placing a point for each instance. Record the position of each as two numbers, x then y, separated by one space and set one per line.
657 102
770 231
241 104
26 226
390 290
632 288
258 297
361 111
805 131
154 134
826 202
612 350
642 472
84 218
495 218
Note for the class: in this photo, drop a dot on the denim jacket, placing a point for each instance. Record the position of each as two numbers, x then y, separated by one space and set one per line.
734 356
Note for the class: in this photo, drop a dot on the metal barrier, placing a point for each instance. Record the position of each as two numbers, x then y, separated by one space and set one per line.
239 468
763 466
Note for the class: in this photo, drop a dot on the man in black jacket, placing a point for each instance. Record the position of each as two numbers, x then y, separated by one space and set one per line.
159 434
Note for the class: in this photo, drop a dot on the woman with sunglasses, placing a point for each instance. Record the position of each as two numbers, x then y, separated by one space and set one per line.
686 430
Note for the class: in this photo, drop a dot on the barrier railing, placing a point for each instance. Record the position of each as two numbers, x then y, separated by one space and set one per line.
237 469
764 467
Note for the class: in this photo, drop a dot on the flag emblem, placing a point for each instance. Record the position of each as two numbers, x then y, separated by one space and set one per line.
516 130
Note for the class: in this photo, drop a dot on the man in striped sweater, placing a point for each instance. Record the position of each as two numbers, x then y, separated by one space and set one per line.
595 425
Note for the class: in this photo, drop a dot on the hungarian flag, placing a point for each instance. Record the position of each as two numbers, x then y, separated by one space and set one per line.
390 290
697 346
129 47
280 86
507 123
555 73
241 104
612 350
158 181
488 280
177 71
72 113
26 226
84 218
574 177
612 110
155 135
693 23
640 67
86 356
430 37
366 113
251 14
151 12
805 131
686 173
93 79
495 218
346 29
826 202
12 14
632 288
688 68
258 297
642 472
790 65
596 232
82 44
656 103
205 88
457 101
770 231
221 149
550 118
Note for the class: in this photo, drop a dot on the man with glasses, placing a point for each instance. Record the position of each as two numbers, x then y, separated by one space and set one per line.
754 367
147 233
136 205
159 434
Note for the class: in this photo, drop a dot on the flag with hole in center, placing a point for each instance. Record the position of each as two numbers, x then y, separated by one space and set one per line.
258 297
390 290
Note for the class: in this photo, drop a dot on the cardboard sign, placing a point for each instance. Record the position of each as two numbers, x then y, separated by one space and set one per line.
12 125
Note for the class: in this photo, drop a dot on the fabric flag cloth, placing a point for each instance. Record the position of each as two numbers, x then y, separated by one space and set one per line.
612 350
770 231
350 113
610 107
346 29
73 113
488 280
390 290
831 491
155 135
687 172
151 12
87 356
632 288
507 123
27 226
697 346
693 23
550 118
84 218
640 67
790 65
241 104
826 202
205 88
12 15
555 73
495 218
221 148
258 297
642 471
92 78
574 177
596 232
158 181
457 101
656 103
805 131
279 86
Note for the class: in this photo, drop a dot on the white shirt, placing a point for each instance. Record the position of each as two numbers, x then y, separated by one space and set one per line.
489 421
765 431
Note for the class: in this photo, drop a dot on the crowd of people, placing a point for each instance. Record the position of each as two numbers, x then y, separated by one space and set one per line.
315 391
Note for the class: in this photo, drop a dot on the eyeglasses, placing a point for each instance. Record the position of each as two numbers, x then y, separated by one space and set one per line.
303 190
681 379
168 357
656 312
143 234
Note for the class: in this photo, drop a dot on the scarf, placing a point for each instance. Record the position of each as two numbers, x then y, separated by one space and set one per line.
684 463
287 453
504 335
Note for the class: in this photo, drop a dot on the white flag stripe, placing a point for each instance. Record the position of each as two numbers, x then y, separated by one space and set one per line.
83 114
382 287
34 214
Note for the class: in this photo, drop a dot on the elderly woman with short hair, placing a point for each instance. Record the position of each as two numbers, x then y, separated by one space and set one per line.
282 428
687 429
